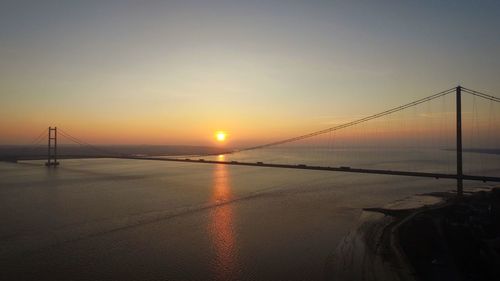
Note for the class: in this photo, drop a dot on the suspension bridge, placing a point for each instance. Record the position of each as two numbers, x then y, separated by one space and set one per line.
445 127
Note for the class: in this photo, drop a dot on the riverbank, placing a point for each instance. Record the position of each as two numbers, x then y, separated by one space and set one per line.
458 241
423 237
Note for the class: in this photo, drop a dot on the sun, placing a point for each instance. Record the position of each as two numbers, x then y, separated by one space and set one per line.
220 136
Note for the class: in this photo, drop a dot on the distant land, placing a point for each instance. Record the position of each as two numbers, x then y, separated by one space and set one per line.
13 152
482 150
478 150
19 152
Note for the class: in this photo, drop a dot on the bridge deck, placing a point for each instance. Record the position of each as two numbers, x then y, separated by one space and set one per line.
323 168
290 166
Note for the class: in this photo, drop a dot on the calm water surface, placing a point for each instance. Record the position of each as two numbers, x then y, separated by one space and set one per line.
108 219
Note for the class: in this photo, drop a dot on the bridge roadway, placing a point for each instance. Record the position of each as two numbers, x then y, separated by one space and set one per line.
285 166
322 168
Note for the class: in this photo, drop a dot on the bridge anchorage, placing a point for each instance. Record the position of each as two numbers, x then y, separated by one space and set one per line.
52 148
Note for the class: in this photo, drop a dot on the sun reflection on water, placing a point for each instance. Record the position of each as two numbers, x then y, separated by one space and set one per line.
221 226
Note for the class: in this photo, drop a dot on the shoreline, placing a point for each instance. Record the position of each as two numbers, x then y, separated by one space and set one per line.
379 247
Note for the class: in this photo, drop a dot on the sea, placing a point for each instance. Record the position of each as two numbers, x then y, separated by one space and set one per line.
119 219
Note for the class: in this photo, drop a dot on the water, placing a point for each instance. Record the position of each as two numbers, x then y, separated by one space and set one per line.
109 219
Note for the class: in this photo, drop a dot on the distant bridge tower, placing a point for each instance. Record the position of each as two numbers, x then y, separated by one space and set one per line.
52 148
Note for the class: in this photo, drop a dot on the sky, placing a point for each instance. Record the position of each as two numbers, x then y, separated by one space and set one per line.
175 72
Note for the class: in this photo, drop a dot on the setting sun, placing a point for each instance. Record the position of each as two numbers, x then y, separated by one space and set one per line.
220 136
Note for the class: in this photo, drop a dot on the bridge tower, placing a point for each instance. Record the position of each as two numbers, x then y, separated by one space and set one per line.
52 148
460 190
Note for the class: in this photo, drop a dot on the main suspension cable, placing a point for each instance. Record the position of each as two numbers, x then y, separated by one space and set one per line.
349 124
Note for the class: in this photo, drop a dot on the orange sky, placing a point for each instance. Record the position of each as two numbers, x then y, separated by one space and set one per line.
174 73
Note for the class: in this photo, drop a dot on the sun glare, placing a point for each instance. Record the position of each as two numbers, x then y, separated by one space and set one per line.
220 136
